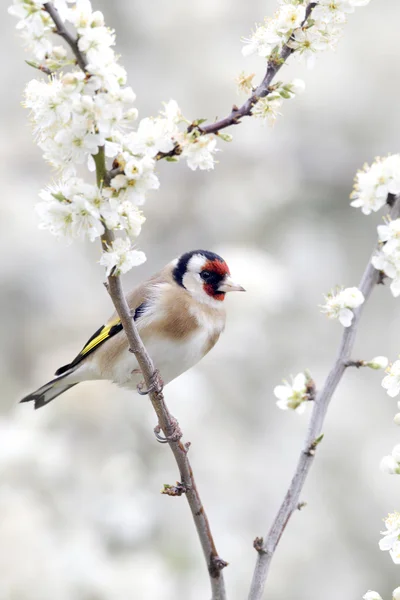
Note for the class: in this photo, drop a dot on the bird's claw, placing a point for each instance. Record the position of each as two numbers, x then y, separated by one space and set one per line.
175 435
156 385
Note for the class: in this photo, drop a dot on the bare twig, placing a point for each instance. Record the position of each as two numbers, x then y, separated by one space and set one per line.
168 424
291 501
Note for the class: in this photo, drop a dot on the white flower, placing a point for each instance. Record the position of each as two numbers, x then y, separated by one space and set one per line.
123 216
172 113
374 183
390 541
289 17
48 104
391 382
307 42
152 136
70 209
396 419
199 150
293 396
120 258
95 43
77 143
297 86
391 464
267 108
378 362
370 595
340 305
262 41
396 594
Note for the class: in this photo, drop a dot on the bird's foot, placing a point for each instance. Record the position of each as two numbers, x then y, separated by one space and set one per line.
156 385
175 435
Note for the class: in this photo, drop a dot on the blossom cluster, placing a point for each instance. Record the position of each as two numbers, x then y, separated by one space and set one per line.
79 114
294 395
373 186
391 537
371 595
373 183
340 304
307 36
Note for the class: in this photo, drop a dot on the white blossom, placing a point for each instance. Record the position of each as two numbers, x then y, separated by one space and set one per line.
123 216
340 305
396 419
391 464
294 395
289 17
370 595
152 136
70 209
267 108
374 183
322 30
396 594
391 537
120 257
199 151
391 382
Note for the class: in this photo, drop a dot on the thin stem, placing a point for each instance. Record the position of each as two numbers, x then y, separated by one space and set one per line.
166 421
267 547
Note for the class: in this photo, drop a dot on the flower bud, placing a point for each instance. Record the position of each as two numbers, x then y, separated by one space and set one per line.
389 465
59 52
97 19
378 362
298 86
370 595
397 419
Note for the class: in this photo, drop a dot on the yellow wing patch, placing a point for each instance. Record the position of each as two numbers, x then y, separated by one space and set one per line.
101 335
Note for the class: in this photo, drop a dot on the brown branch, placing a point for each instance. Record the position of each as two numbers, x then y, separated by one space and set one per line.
166 421
274 65
290 503
62 31
234 118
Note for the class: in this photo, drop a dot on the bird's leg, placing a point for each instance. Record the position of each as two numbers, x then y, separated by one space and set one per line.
156 385
175 435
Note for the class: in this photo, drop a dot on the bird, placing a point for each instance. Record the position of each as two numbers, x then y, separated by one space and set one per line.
179 313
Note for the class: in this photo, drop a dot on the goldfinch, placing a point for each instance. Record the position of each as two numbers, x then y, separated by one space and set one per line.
179 313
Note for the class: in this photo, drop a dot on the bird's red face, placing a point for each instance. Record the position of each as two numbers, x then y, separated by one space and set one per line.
205 275
213 273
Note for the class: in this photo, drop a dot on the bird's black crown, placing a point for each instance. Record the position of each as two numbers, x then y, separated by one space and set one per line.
181 267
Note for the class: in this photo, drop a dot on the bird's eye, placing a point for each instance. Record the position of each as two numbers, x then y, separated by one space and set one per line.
206 275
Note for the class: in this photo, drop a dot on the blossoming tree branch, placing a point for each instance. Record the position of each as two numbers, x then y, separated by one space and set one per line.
83 115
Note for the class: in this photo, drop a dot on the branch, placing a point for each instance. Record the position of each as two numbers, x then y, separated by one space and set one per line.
62 31
234 118
166 421
266 549
274 65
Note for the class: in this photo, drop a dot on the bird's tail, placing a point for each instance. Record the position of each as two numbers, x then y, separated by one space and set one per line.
49 391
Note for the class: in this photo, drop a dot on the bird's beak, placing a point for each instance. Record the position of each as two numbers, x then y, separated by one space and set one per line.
228 285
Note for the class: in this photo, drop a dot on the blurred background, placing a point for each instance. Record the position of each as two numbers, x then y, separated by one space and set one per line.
81 516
